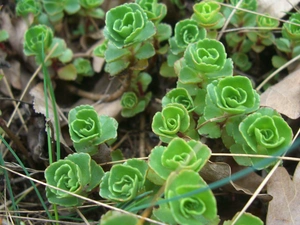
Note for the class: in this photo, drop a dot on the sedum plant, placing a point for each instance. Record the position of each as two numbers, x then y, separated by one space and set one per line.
39 40
132 105
154 10
88 130
180 96
207 14
55 9
83 67
127 24
25 7
171 122
194 209
124 181
289 42
75 174
178 155
204 61
263 132
91 8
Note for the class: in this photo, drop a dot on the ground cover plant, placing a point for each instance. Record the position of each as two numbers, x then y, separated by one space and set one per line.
148 112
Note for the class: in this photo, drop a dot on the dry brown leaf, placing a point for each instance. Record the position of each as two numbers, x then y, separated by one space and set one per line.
214 171
285 207
276 8
284 96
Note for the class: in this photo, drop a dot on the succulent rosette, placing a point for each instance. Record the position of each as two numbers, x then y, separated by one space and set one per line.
195 209
204 60
179 95
186 32
83 67
207 14
171 121
24 7
124 181
128 24
179 154
76 174
231 95
291 31
264 132
37 39
155 11
88 130
132 105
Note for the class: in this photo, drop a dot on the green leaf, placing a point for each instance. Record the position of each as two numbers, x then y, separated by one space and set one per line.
115 67
163 32
24 7
278 61
113 53
146 51
109 128
115 217
211 129
67 72
283 44
3 35
166 70
241 60
66 56
246 218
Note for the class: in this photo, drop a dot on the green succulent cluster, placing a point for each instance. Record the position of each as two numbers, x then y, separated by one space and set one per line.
289 42
39 40
195 209
124 181
76 174
88 130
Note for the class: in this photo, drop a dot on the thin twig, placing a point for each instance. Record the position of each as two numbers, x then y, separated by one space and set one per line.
277 71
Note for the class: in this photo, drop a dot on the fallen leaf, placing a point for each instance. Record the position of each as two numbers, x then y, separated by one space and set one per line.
285 207
284 96
276 8
214 171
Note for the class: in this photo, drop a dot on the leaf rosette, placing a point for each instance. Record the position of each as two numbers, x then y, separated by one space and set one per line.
37 39
88 130
180 96
90 4
128 24
264 133
290 30
207 14
172 120
178 155
124 181
204 60
186 32
195 209
264 21
24 7
155 11
83 67
132 105
76 174
232 95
